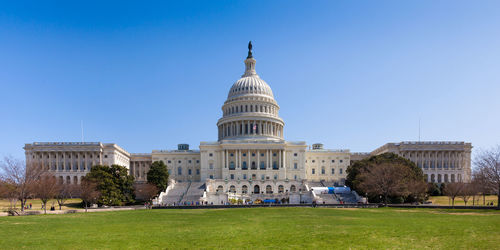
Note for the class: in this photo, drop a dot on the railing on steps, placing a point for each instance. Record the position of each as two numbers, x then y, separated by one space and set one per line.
185 192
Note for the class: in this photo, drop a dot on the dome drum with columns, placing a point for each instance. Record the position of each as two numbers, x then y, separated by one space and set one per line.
250 110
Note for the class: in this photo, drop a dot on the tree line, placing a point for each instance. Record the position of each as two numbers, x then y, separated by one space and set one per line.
103 185
389 178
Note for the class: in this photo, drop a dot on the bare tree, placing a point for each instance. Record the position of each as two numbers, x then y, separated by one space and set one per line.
466 192
21 177
386 179
45 189
65 191
488 164
481 184
88 192
145 191
452 190
417 189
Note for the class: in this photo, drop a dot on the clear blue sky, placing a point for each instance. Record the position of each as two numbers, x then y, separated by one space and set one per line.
348 74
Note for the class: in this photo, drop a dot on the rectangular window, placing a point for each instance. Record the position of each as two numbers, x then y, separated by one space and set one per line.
295 154
340 171
189 171
244 176
313 171
211 166
232 176
341 161
197 171
211 177
295 165
333 161
333 170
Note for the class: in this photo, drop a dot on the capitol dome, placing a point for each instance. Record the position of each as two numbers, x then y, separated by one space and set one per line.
250 110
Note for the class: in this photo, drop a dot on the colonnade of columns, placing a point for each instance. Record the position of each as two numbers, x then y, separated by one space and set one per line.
66 161
440 166
249 127
436 159
243 159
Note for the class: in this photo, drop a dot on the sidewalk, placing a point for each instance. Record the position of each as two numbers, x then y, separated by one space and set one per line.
71 211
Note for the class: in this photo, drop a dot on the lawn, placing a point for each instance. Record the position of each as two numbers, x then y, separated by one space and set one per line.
36 204
256 228
444 200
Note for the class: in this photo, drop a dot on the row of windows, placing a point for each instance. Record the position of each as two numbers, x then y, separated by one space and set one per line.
190 172
179 161
254 177
256 189
69 156
333 161
323 171
249 108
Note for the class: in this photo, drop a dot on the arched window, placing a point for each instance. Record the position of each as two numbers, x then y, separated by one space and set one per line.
439 178
244 189
68 180
280 189
256 189
244 166
452 177
269 189
253 165
220 188
433 179
75 180
232 189
445 177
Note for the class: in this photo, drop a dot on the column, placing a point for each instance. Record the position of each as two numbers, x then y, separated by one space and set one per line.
226 153
279 159
222 158
249 165
284 159
57 161
258 159
268 152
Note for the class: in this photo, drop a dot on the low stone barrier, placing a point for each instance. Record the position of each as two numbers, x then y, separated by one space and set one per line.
267 205
440 206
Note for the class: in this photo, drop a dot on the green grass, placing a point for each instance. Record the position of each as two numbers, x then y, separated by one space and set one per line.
310 228
444 200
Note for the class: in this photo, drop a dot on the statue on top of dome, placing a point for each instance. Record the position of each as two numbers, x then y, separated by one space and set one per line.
250 50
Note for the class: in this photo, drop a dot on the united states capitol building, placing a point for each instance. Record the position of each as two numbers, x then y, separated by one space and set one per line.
251 158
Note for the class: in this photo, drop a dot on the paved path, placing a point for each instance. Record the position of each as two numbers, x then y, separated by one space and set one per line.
90 210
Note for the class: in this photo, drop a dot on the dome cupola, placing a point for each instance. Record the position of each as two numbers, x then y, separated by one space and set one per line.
250 110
